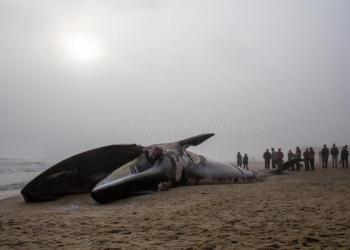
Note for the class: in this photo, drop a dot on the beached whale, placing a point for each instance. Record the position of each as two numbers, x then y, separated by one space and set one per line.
118 171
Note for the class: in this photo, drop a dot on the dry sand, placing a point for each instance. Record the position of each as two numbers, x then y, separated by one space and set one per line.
292 211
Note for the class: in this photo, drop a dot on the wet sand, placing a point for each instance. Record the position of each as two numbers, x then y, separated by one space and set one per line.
297 210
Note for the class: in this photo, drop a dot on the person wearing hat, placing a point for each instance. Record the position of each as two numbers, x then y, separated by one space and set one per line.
325 155
334 153
344 157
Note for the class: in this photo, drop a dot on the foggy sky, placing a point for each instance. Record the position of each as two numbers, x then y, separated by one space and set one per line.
257 73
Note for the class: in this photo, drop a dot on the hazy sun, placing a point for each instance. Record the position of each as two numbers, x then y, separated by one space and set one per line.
83 48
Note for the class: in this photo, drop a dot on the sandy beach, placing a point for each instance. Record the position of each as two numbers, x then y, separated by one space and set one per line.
296 210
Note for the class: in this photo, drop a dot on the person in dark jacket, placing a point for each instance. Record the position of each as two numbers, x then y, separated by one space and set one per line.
239 159
280 156
344 157
334 154
298 156
273 158
291 157
306 155
325 155
245 161
312 158
267 157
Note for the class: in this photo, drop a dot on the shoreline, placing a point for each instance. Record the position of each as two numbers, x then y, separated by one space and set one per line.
9 194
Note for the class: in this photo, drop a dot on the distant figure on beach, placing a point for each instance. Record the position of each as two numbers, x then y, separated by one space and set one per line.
245 161
298 156
239 159
344 156
279 156
306 155
325 155
273 158
312 158
267 157
291 157
334 153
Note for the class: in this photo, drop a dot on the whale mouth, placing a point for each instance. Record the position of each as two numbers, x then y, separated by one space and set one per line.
138 176
138 165
130 185
32 196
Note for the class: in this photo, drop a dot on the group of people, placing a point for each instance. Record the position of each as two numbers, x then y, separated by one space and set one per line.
308 155
334 152
275 158
243 160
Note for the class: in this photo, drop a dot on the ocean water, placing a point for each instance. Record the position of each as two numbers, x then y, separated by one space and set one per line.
15 173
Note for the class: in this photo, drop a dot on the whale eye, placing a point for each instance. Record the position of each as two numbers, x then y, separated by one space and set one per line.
154 153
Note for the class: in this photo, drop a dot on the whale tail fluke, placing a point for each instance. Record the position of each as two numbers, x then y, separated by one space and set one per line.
195 140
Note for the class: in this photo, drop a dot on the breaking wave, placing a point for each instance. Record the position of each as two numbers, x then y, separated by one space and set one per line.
12 186
16 172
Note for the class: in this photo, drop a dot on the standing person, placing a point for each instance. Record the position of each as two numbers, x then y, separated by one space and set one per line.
325 155
273 158
298 156
344 157
239 159
291 157
267 157
245 161
312 158
280 156
306 155
334 153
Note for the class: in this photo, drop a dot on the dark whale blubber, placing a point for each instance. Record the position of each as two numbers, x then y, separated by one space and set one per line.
118 171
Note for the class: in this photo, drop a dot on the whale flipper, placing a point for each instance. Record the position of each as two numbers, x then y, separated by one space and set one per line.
195 140
79 173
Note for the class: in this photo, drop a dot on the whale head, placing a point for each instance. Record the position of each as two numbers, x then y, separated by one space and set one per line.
158 163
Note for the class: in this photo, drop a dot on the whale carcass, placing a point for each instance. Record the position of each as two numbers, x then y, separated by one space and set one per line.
118 171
